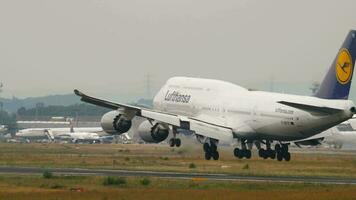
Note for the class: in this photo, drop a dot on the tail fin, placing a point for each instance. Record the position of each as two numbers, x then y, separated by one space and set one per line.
337 82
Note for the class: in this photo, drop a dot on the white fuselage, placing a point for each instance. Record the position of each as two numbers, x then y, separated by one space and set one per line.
250 114
78 136
41 132
344 133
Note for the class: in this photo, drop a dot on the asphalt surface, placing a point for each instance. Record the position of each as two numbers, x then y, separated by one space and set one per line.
173 175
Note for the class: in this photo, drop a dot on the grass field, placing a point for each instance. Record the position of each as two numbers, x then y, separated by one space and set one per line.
163 158
66 187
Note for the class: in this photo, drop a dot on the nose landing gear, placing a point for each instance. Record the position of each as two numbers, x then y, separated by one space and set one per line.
175 141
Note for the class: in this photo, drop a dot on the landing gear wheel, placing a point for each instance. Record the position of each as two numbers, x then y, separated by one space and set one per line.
210 150
261 152
285 147
215 155
236 152
241 154
178 142
287 156
248 154
279 156
171 142
213 147
207 156
272 154
206 147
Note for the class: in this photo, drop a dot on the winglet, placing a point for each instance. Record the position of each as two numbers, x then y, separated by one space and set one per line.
96 101
78 93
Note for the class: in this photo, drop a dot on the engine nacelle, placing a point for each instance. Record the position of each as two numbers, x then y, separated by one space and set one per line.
153 133
115 123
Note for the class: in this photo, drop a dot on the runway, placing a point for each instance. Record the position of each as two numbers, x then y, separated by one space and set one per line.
174 175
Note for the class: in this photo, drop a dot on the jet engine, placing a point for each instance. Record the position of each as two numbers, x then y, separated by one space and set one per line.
153 133
115 123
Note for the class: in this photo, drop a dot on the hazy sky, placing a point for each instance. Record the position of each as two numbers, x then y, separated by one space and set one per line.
108 47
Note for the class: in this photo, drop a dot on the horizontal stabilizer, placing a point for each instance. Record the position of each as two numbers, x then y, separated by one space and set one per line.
315 110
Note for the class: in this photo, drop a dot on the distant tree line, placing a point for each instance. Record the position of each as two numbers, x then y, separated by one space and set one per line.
66 111
9 120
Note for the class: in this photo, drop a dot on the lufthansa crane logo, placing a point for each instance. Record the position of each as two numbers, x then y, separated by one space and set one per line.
344 67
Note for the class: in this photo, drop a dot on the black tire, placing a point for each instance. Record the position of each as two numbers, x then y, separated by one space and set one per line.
287 156
279 156
265 156
285 147
278 147
241 154
215 155
207 156
171 142
261 153
206 147
178 142
272 154
213 148
248 154
236 152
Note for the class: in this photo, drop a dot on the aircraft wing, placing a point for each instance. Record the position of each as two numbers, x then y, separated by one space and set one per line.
102 103
200 127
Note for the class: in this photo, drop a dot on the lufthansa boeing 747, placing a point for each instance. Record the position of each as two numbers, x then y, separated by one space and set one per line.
216 111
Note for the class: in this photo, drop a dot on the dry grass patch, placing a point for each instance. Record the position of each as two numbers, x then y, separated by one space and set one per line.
163 158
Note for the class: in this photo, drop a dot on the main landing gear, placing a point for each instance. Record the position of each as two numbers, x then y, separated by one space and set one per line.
244 152
210 150
268 152
280 152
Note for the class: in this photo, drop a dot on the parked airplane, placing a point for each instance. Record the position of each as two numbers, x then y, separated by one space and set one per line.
220 111
75 135
3 128
59 133
337 136
79 137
